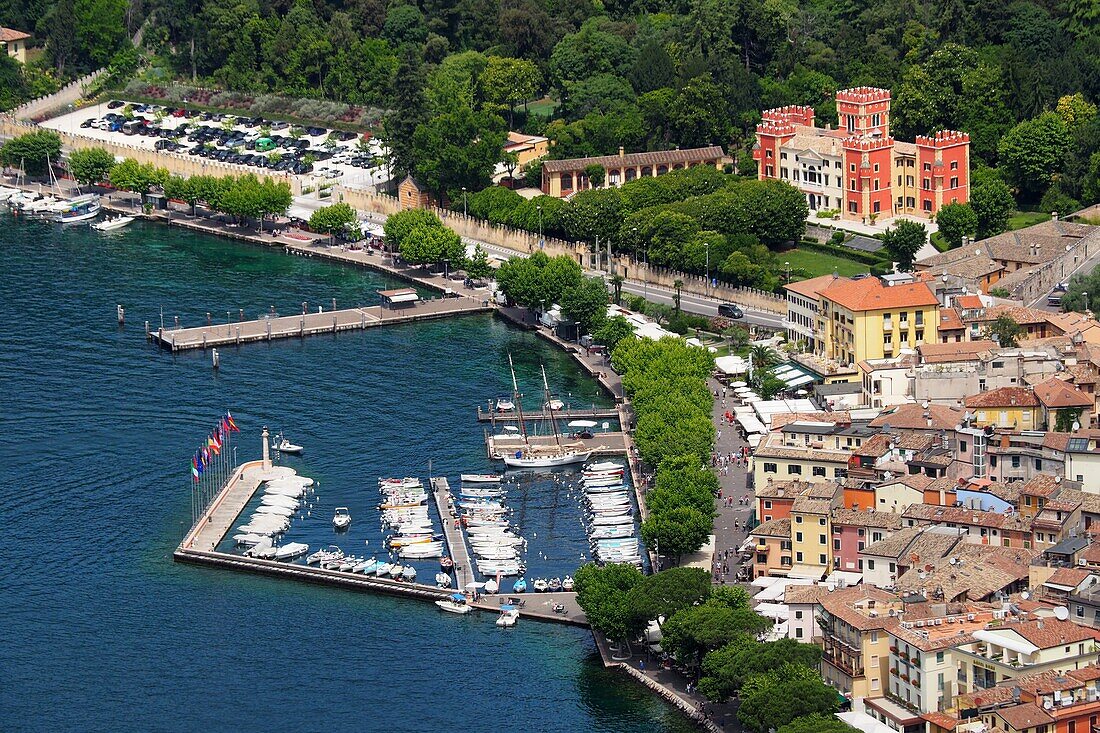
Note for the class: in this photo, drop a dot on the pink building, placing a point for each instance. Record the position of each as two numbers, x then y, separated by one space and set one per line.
854 530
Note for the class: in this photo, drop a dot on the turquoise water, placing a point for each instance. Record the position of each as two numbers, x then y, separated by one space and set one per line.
102 631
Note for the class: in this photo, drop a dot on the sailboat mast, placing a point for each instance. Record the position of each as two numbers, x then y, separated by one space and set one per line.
550 406
517 400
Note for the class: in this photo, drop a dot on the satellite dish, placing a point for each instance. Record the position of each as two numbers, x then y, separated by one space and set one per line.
1061 613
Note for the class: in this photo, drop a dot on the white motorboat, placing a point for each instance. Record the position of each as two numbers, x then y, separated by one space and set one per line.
554 404
361 567
421 552
455 604
396 570
248 539
408 573
278 511
480 478
612 520
567 583
398 483
603 467
383 569
109 225
6 192
329 553
81 208
341 520
491 587
443 580
279 500
505 404
508 616
265 552
540 585
291 550
283 445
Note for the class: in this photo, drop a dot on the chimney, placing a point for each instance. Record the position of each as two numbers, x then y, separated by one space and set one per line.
622 152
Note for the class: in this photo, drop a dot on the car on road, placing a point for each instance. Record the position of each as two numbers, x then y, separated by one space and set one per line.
730 310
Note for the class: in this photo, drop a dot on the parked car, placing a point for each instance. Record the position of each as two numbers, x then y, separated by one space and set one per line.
115 104
730 310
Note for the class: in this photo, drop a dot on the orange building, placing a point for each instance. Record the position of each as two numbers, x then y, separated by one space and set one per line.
858 169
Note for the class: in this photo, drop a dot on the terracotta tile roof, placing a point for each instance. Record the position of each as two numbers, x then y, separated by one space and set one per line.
964 516
862 518
941 720
811 288
1055 393
869 294
969 302
807 454
1004 397
1022 717
1042 484
963 351
877 446
1068 577
7 35
895 544
969 262
656 157
950 320
1050 632
1056 441
1081 374
910 441
774 528
843 601
804 593
1018 313
910 416
1091 554
783 489
808 505
1085 674
980 571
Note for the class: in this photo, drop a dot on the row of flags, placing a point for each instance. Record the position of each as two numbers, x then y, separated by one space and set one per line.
213 445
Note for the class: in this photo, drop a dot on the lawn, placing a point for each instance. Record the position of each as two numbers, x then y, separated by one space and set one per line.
820 263
544 107
1021 219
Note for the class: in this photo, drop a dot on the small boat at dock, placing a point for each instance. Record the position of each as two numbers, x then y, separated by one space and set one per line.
508 616
480 478
110 225
291 550
520 586
455 604
331 552
567 583
341 520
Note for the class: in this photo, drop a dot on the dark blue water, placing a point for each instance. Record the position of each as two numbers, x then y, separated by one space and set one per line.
102 631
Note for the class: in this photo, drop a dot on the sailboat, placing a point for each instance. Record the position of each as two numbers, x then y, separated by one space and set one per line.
538 456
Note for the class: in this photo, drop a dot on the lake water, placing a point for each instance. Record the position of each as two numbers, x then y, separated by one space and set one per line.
102 631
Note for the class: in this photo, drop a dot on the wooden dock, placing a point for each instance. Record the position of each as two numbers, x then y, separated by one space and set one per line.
456 543
311 324
565 414
601 444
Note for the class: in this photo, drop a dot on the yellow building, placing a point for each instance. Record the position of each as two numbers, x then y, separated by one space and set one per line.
14 43
855 642
1007 407
870 319
811 531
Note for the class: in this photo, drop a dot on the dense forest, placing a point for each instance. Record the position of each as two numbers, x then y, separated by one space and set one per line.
644 74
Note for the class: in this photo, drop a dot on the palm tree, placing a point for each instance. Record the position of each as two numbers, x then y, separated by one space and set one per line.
617 284
762 357
678 286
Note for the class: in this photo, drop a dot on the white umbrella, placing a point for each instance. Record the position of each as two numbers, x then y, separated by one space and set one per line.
754 398
735 385
742 390
802 392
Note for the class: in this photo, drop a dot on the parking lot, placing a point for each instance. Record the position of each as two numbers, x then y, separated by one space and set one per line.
317 154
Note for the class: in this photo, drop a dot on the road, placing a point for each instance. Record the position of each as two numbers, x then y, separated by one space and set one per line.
700 304
1085 267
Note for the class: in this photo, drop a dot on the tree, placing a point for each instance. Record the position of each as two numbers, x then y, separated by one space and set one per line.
604 595
675 428
696 630
726 669
956 221
817 723
613 330
478 267
776 698
678 285
399 225
617 281
1075 111
1032 152
32 152
737 336
1004 330
457 147
335 219
903 241
508 82
586 303
90 165
676 533
992 202
763 357
130 175
595 174
663 594
430 245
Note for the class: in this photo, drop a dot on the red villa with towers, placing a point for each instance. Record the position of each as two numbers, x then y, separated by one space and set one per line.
858 168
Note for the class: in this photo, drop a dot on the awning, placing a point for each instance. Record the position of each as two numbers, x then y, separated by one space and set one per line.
800 380
806 571
404 298
1015 642
751 424
731 364
403 295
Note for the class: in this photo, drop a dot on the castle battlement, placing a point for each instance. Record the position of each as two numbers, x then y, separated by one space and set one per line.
863 95
793 113
943 139
867 143
775 129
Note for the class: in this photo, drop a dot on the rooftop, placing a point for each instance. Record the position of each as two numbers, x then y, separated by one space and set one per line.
656 157
869 293
912 416
963 351
7 35
811 288
1004 397
1055 393
774 528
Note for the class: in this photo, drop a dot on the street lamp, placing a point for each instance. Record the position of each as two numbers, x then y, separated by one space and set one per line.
788 266
445 263
464 201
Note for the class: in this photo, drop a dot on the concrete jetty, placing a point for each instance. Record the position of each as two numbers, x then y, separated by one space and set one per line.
310 324
456 543
600 444
565 414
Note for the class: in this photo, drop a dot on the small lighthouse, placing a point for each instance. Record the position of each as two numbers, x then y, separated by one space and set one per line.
267 449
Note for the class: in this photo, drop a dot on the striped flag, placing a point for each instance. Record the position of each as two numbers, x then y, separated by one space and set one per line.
214 446
194 468
232 425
